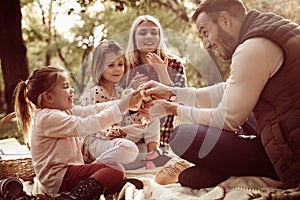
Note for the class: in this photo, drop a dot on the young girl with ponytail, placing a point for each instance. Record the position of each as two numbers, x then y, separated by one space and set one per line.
46 113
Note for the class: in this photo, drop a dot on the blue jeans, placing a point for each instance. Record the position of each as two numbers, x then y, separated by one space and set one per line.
221 152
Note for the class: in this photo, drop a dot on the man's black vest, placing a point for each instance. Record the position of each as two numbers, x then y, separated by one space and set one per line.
278 108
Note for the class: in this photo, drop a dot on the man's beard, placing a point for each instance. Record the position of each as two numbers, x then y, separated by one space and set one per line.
227 42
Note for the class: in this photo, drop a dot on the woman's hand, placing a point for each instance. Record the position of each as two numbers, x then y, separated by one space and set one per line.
161 68
157 63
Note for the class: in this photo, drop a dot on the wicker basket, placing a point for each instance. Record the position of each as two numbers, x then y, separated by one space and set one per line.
20 168
7 118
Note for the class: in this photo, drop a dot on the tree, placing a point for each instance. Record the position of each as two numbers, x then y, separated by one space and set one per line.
96 20
12 49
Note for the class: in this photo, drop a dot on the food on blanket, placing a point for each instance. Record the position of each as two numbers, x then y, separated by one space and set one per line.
170 171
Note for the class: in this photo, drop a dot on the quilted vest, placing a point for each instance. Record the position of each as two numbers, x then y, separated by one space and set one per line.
278 108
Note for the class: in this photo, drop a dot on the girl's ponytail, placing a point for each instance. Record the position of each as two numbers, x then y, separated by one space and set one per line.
24 108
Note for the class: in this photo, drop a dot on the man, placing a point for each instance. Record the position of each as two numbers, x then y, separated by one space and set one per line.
265 65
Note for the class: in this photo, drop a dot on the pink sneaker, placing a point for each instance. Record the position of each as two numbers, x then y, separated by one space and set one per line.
156 159
170 172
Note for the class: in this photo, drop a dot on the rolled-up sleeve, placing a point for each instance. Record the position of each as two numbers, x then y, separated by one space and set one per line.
253 63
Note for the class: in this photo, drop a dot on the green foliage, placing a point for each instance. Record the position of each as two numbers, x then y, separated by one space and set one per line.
11 130
95 20
288 8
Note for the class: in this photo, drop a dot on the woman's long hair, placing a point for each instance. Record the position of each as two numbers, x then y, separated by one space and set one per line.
132 51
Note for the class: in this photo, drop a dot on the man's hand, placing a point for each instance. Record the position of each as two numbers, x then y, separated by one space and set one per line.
159 108
156 90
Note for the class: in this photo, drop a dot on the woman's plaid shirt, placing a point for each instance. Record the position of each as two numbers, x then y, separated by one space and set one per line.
177 74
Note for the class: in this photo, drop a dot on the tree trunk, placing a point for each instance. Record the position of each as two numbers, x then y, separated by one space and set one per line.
13 57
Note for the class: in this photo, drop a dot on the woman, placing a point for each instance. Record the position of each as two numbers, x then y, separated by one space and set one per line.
148 59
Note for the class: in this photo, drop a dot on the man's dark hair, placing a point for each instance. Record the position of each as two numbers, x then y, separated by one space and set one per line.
213 8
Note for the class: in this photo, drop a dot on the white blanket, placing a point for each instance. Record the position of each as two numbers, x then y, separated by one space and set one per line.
234 188
237 188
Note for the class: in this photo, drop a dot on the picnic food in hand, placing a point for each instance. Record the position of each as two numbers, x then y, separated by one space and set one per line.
140 101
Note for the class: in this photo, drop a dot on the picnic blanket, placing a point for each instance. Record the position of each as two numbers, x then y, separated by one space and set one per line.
234 188
237 188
